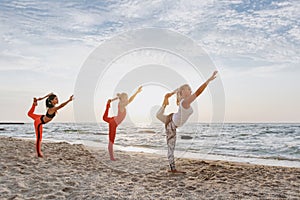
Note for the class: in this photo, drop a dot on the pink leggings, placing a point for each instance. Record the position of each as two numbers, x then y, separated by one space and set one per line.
38 125
112 124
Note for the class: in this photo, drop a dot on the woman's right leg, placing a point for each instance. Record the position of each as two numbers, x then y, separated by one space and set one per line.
31 112
160 115
105 115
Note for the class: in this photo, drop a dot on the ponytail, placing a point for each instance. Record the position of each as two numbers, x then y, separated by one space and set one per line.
179 93
122 95
118 95
178 97
48 101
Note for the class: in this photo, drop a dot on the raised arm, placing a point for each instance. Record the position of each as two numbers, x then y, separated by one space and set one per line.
186 103
134 95
65 103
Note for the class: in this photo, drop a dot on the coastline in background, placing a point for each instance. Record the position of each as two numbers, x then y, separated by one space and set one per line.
276 144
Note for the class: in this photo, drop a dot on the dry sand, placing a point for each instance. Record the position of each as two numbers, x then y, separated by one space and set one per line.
76 172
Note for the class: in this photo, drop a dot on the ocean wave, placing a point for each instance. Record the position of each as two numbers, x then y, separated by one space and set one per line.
278 157
256 141
186 137
146 131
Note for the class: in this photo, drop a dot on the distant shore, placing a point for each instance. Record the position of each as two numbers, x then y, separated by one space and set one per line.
76 172
11 123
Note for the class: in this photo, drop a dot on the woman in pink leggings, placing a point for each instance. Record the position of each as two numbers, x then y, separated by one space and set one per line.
113 122
39 120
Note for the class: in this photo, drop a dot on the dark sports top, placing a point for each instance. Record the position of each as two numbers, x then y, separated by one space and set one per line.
50 116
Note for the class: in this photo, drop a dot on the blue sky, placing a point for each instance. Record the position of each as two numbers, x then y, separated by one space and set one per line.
254 44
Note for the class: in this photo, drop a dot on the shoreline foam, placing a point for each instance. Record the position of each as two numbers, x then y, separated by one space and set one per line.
91 145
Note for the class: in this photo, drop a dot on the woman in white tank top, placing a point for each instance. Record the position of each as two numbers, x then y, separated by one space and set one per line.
174 120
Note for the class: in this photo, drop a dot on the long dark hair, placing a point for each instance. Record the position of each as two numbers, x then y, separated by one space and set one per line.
48 101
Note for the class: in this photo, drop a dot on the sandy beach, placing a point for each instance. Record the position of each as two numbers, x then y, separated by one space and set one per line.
77 172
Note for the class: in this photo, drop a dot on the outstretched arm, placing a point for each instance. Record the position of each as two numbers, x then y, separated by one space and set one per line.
134 95
65 103
114 99
186 103
41 98
204 85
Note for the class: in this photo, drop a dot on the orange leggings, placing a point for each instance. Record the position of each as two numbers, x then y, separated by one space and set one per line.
112 125
38 125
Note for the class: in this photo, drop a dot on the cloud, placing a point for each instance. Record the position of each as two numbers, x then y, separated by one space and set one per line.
228 25
52 35
48 41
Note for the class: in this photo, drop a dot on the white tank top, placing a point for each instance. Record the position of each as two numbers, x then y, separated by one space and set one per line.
182 115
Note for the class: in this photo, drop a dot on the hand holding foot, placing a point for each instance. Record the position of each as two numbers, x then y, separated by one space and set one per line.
35 101
166 100
169 94
108 103
41 98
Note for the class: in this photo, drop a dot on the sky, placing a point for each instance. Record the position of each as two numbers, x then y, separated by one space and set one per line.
253 44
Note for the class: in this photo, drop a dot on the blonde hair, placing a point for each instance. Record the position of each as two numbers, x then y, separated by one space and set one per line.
179 93
122 95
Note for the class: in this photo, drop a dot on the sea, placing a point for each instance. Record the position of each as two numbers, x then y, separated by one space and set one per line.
274 144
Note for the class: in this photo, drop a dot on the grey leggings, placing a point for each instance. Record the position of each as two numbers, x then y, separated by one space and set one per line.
170 134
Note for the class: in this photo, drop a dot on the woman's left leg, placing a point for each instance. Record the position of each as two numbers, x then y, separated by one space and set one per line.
39 134
112 135
171 141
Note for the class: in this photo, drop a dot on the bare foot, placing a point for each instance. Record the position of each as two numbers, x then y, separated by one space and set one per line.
113 159
166 99
108 103
35 101
40 155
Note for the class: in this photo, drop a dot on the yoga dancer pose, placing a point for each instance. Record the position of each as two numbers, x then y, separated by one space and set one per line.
115 121
174 120
39 120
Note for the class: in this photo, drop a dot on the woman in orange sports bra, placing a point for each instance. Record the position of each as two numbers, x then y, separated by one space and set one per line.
116 120
39 120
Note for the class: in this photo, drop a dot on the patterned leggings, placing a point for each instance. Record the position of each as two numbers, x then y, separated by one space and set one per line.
170 135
